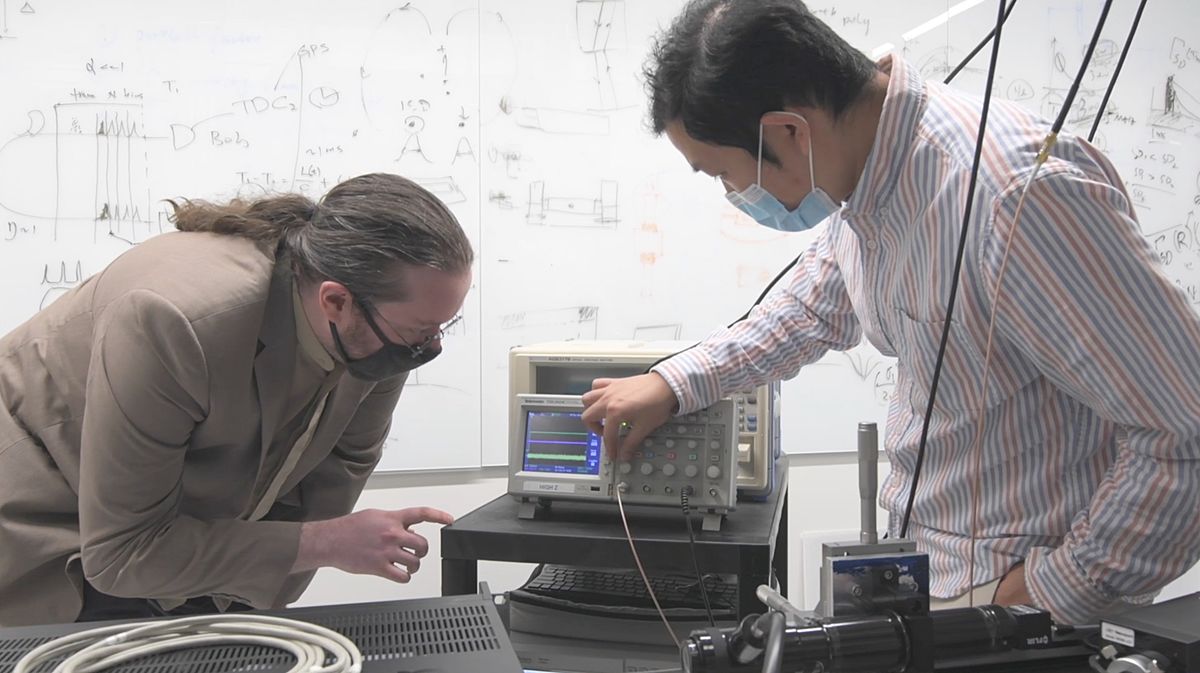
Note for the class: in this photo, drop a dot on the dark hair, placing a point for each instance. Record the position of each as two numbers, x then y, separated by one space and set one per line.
355 235
722 64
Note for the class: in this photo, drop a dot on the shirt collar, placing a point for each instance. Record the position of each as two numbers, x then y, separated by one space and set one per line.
309 345
903 106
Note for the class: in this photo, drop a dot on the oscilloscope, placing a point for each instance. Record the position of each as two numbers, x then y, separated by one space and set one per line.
569 367
553 456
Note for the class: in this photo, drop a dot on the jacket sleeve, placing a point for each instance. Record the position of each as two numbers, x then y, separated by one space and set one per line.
147 388
333 487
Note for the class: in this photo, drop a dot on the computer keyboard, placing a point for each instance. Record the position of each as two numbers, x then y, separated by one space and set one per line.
592 586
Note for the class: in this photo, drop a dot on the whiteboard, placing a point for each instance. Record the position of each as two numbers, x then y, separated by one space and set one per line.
528 118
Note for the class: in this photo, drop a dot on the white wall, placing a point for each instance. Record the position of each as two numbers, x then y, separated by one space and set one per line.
823 506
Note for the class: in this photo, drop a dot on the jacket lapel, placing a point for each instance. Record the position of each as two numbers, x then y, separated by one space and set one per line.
275 363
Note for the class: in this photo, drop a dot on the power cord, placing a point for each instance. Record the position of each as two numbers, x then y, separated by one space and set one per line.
101 648
982 43
1087 59
962 245
773 643
763 295
1137 18
687 522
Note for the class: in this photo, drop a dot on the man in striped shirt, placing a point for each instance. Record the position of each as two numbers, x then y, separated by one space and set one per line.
1082 493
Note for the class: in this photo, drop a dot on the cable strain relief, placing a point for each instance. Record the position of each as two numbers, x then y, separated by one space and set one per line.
1047 146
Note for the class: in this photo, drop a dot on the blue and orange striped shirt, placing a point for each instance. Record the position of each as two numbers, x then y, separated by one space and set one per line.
1090 463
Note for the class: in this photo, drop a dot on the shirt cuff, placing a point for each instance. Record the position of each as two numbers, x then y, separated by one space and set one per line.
1057 582
692 376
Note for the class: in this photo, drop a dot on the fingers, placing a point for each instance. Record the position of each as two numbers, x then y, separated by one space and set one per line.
593 416
612 435
594 427
403 560
610 422
591 397
415 515
637 433
623 412
407 559
594 406
411 541
391 572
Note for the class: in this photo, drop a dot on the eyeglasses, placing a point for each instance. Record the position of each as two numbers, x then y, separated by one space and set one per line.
417 349
436 336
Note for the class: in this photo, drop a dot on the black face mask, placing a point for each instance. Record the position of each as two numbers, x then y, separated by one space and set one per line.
388 361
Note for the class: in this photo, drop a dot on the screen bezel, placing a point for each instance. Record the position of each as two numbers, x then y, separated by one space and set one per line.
555 403
528 412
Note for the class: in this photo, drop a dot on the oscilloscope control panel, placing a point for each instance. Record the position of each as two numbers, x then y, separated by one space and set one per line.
553 456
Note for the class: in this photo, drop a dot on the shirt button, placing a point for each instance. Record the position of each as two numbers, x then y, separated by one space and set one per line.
884 210
872 245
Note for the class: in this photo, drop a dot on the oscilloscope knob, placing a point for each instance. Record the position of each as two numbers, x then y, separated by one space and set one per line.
625 468
647 468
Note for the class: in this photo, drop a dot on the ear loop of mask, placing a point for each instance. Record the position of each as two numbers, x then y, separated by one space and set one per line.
812 173
375 327
760 145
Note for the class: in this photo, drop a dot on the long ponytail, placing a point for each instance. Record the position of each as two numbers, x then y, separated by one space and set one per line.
266 220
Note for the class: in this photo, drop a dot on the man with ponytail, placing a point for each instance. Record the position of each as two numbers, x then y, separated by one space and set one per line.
189 429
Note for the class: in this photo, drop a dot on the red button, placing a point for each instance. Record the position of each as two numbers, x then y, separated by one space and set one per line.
671 455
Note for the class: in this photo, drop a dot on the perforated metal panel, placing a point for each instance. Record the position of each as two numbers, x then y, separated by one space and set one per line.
459 633
420 632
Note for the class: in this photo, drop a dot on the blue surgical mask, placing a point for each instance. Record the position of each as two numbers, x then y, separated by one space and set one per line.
770 212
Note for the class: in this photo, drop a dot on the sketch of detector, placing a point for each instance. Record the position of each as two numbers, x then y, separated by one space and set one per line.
598 210
569 367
